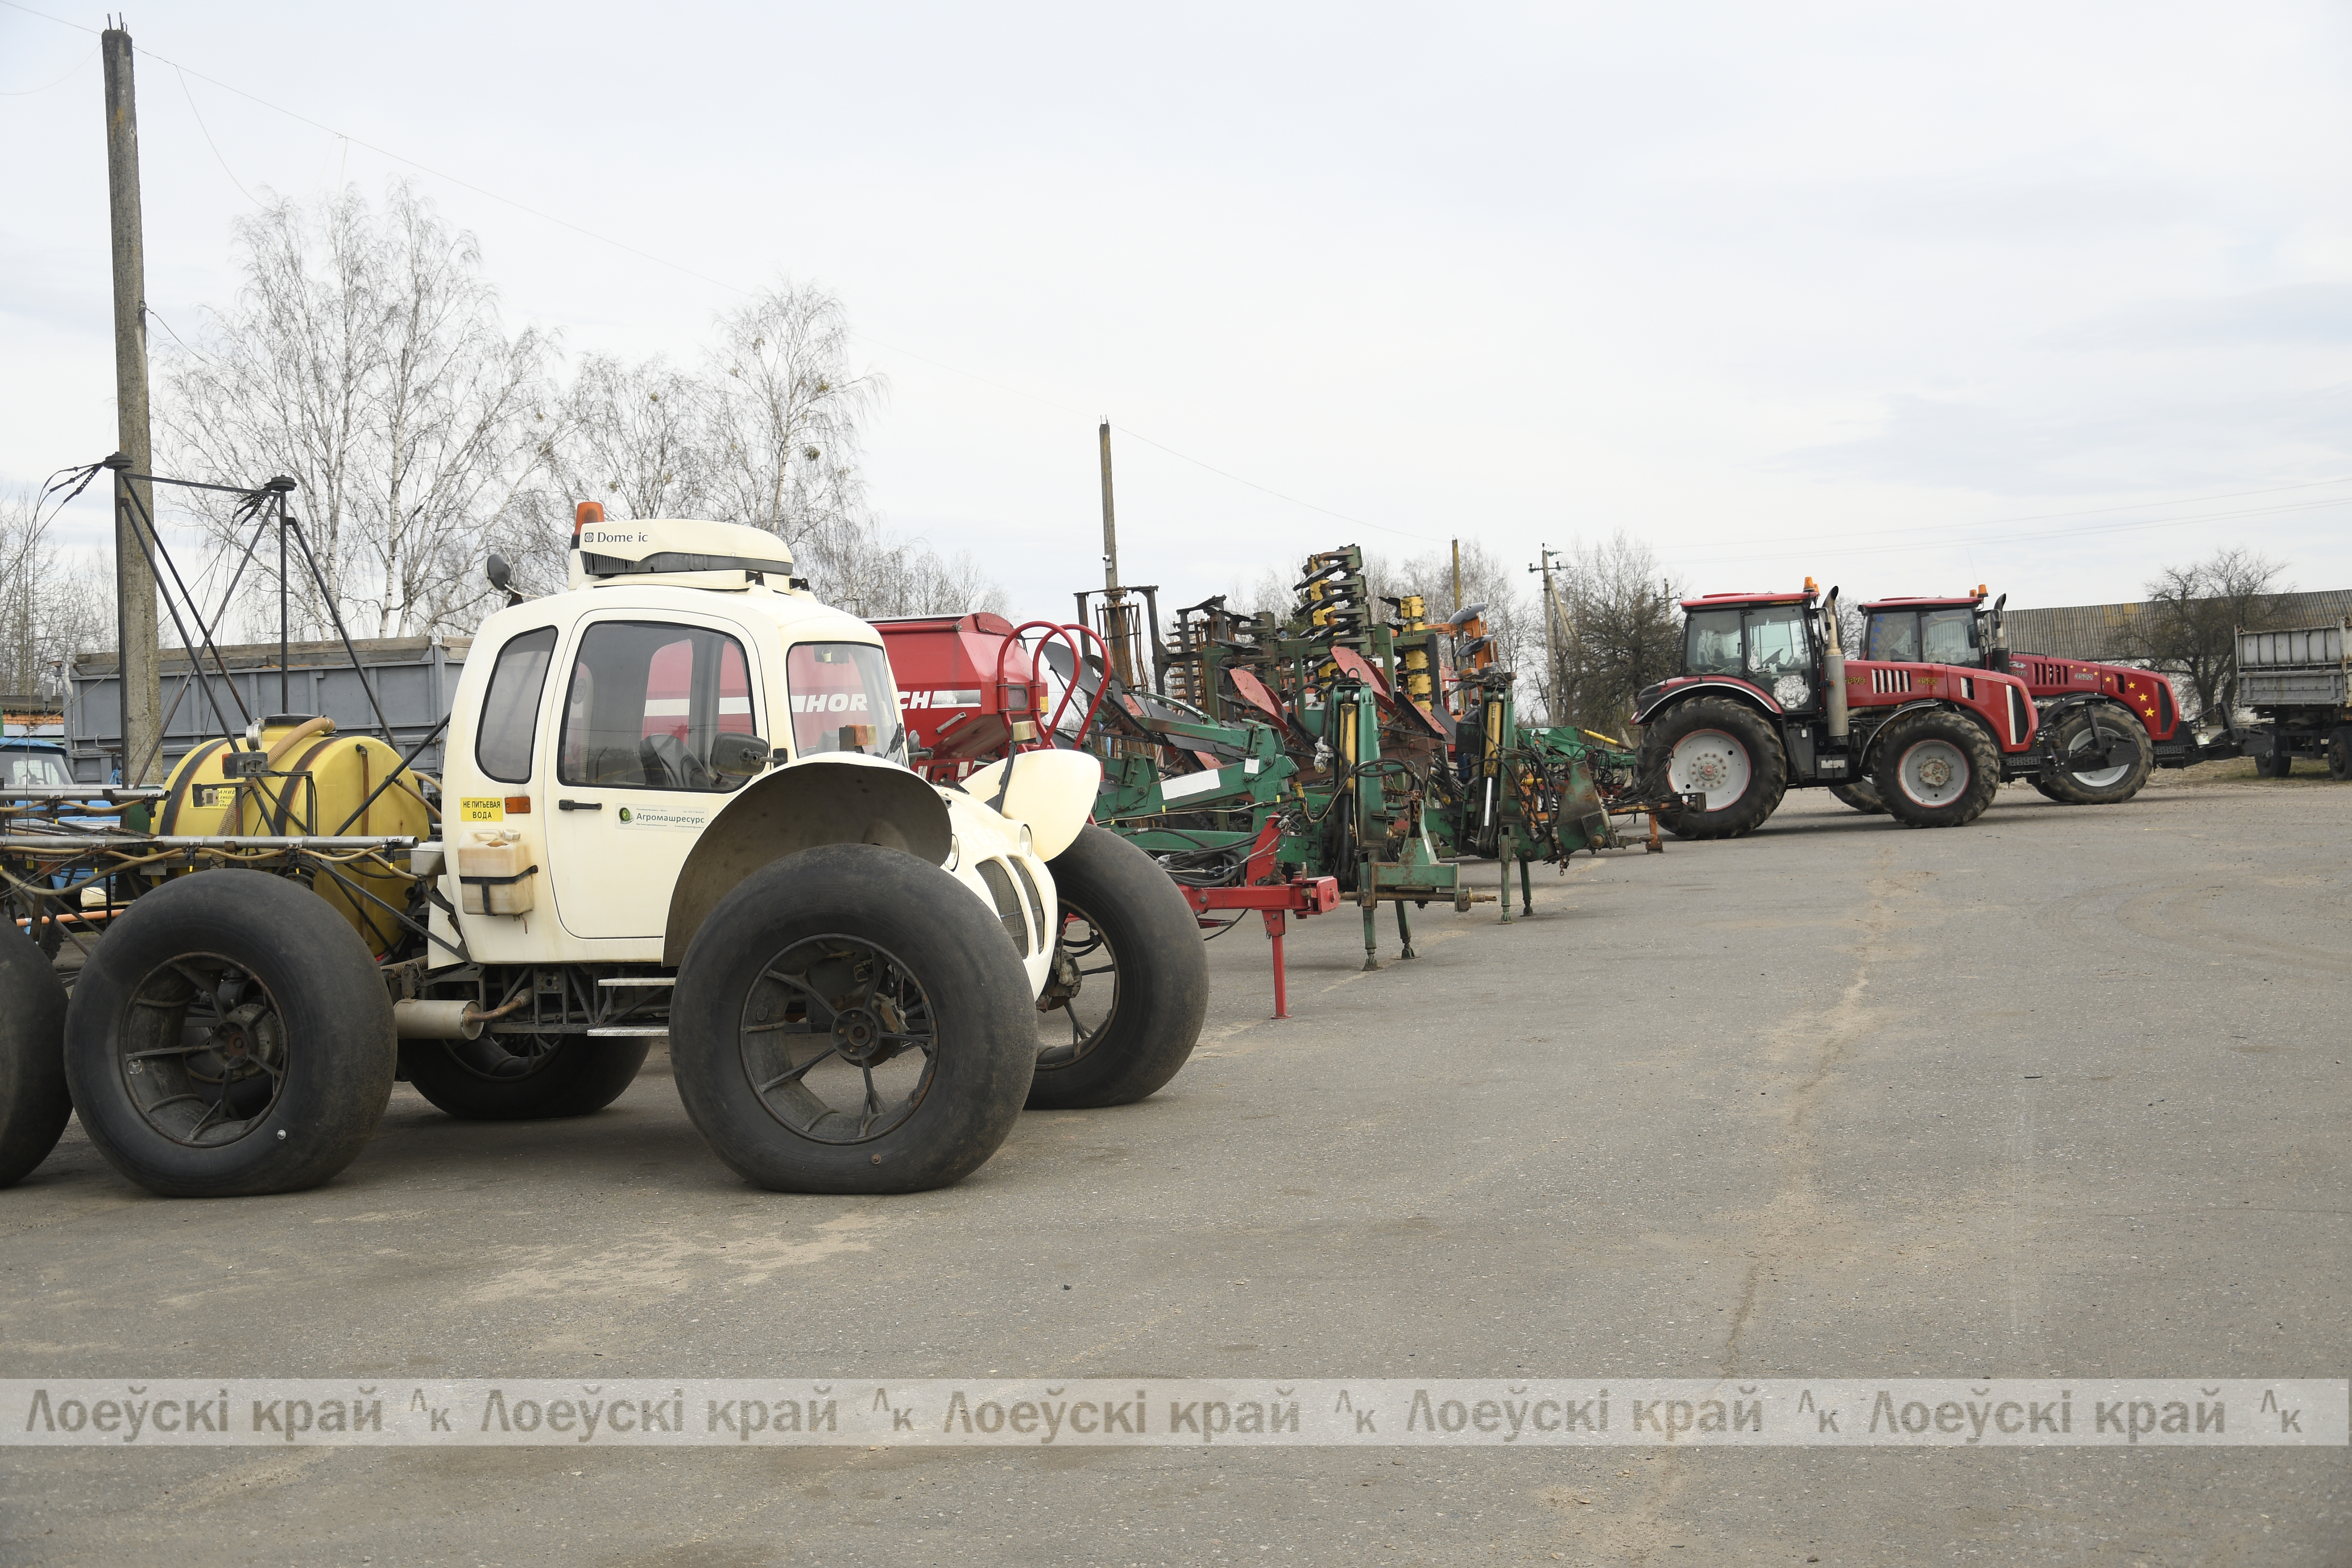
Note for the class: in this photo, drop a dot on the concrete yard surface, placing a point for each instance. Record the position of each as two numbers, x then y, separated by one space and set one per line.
2062 1093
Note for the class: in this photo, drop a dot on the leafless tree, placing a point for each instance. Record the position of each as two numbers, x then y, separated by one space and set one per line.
1617 631
53 604
365 357
2189 624
787 414
635 438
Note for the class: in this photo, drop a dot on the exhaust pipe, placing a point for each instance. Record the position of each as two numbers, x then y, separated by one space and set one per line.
415 1020
1833 663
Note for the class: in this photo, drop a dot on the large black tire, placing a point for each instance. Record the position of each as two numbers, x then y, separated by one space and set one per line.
1130 983
268 1078
892 961
34 1101
1862 795
2043 788
2278 763
1714 746
1936 768
2339 756
2113 785
523 1077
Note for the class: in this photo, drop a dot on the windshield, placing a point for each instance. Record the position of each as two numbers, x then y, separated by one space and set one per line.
35 770
1945 636
1775 642
1922 637
842 699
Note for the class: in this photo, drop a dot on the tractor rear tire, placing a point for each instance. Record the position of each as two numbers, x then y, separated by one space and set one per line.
2111 785
1714 746
2041 787
1122 928
34 1101
1936 769
230 1037
1862 795
838 963
480 1081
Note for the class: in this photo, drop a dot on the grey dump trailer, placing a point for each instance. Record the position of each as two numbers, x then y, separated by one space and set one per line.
412 680
2299 685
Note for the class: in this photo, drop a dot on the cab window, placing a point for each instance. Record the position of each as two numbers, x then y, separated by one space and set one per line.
1776 641
35 770
1947 636
1893 637
842 699
1711 643
647 701
509 727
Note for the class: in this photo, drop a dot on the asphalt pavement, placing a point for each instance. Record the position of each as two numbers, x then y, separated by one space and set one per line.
2061 1093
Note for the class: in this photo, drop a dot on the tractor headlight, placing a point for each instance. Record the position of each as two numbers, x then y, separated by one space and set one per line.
1792 691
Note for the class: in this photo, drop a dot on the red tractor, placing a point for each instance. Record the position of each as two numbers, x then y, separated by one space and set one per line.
2107 726
1766 700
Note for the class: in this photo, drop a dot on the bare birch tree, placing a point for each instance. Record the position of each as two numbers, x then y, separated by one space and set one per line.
787 414
364 356
52 606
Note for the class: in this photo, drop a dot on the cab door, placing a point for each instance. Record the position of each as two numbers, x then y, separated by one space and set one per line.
644 700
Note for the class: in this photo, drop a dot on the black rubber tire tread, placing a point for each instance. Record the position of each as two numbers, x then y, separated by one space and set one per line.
1767 765
582 1077
341 1049
1939 723
2065 786
2339 756
957 948
1163 978
1862 795
2041 787
34 1100
2279 764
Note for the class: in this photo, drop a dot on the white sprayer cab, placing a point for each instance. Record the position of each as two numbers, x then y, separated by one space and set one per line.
622 754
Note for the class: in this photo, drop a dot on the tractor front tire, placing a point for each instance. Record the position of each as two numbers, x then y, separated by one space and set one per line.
1936 769
1130 983
2110 785
1720 748
852 1019
230 1037
1862 795
486 1079
34 1101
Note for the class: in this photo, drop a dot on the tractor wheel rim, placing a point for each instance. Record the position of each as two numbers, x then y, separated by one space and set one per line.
2100 778
1710 762
203 1050
838 1040
1934 773
1080 1000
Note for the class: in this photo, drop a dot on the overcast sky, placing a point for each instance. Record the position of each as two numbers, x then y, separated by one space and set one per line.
1855 291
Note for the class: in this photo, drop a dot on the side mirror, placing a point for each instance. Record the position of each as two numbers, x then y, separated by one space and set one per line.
735 755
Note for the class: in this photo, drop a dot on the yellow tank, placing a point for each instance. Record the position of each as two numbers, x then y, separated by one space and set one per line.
325 779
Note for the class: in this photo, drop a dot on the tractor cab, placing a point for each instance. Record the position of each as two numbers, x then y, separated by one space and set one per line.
1773 643
1956 631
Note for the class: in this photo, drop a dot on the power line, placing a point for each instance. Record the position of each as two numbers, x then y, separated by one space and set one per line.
2101 529
684 270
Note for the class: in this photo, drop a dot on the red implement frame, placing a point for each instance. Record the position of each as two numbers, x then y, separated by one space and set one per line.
1274 901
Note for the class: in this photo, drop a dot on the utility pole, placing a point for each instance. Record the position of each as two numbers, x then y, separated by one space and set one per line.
1457 575
1552 637
137 659
1115 613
